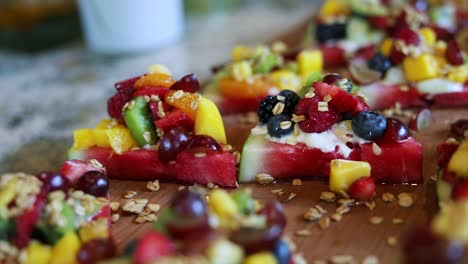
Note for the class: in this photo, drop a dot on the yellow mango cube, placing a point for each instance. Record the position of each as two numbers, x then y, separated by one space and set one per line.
386 47
101 138
38 253
459 162
120 139
83 138
104 123
241 53
334 8
420 68
451 221
285 79
65 250
428 35
344 172
94 230
261 258
208 121
309 61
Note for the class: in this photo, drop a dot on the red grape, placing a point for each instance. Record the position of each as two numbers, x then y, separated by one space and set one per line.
94 183
204 141
396 131
189 204
255 240
173 142
188 83
54 181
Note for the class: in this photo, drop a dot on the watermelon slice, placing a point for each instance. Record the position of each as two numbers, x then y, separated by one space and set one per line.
228 105
144 164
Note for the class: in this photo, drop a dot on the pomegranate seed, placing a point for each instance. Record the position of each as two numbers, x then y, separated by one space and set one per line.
363 189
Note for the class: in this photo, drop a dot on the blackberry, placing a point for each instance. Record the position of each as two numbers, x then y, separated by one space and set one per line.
369 125
287 97
379 63
330 31
279 125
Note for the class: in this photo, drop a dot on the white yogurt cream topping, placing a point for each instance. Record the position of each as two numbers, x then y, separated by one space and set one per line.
326 141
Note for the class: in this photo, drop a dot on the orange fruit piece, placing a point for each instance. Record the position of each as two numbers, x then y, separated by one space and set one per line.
154 79
187 102
259 87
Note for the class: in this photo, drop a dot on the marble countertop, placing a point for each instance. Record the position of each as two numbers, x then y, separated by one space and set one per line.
45 96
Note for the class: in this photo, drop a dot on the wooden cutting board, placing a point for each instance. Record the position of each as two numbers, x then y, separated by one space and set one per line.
354 235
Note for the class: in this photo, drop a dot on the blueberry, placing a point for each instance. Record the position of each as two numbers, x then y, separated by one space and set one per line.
369 125
282 252
275 129
330 31
379 63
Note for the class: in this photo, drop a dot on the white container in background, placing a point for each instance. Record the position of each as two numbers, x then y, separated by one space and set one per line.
127 26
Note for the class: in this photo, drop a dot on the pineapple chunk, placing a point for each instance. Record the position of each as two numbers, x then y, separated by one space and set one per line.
386 46
428 35
222 204
334 8
420 68
120 139
208 121
83 139
458 163
286 80
38 253
64 252
344 172
310 61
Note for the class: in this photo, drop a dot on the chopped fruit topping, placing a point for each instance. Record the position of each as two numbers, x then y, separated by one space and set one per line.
451 222
318 119
151 90
38 253
261 258
154 79
208 121
120 139
344 172
83 138
8 193
222 250
96 230
445 152
332 8
152 246
241 52
310 61
73 169
429 35
138 119
283 103
244 201
386 47
362 189
460 190
409 36
379 63
420 68
396 56
279 125
459 127
457 163
96 250
396 131
66 249
285 79
174 141
369 125
339 100
325 32
453 54
94 183
222 204
188 83
188 204
338 80
159 68
204 141
187 102
53 181
241 70
257 87
174 119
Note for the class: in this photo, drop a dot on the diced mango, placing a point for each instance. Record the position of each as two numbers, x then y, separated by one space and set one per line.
451 222
83 138
334 8
261 258
386 46
224 251
94 230
208 121
459 74
420 68
8 192
222 204
241 53
285 79
309 61
120 139
459 161
38 253
428 35
241 70
104 123
344 172
159 68
101 138
64 252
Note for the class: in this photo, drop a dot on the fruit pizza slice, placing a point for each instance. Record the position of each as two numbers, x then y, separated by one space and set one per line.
255 73
226 228
55 217
160 129
452 157
417 64
329 132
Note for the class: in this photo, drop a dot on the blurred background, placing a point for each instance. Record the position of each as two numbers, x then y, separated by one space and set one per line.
59 59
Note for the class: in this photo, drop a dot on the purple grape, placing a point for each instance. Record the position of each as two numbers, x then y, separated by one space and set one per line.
188 83
204 141
188 204
54 181
173 142
94 183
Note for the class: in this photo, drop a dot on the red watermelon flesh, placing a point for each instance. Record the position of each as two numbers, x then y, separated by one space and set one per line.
333 56
228 105
144 164
381 96
449 99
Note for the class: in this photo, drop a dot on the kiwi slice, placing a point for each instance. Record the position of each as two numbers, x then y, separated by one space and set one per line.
138 118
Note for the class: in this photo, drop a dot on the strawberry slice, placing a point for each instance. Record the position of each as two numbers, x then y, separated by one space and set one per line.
26 221
160 91
341 101
73 169
174 119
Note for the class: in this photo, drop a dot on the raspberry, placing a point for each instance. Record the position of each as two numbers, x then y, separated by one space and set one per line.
408 36
124 94
316 121
363 189
341 101
396 56
453 53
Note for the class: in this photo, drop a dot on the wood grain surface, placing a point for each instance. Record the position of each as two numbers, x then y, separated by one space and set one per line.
354 234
